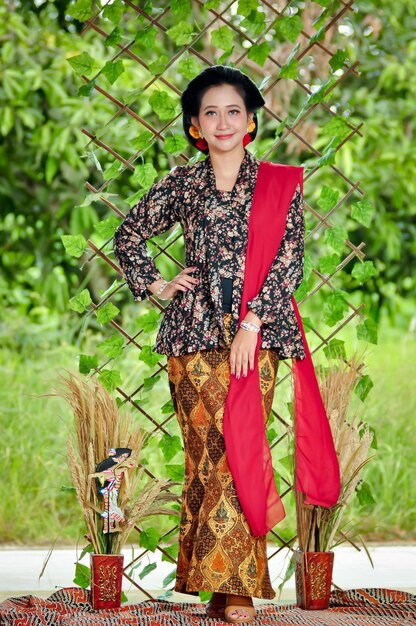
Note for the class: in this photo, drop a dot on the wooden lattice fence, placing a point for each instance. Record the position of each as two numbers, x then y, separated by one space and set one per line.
297 52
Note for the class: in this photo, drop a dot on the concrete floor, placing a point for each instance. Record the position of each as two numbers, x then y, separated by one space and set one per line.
394 568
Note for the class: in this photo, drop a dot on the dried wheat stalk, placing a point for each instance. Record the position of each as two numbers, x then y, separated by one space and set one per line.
317 526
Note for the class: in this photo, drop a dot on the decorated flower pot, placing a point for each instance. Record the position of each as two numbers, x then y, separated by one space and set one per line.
106 580
313 576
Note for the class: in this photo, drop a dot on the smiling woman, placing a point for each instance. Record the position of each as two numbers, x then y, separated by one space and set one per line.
213 337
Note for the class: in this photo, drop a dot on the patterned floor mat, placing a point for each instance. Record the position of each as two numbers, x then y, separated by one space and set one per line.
71 607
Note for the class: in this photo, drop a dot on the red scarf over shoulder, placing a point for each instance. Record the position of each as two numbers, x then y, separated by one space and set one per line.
248 452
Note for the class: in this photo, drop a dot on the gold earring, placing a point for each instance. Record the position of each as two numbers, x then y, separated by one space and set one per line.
251 126
194 132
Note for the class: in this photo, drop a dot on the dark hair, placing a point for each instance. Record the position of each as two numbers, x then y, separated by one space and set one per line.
218 75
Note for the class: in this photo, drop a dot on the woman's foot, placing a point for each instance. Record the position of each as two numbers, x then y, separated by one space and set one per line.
216 605
239 609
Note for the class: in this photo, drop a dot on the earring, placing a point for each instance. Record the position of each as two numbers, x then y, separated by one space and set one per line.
194 132
251 126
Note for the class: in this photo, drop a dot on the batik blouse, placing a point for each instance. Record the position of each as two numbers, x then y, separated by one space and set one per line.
215 229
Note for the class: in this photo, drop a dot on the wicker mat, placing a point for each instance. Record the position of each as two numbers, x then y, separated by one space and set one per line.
358 607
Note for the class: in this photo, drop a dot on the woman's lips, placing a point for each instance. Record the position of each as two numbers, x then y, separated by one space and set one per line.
224 136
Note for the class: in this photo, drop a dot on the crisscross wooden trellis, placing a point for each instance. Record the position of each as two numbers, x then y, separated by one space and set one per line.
316 44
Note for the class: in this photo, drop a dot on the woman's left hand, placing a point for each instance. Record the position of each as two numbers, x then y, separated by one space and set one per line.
242 351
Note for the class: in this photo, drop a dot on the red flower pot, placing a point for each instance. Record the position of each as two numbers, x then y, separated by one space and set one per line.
106 580
313 576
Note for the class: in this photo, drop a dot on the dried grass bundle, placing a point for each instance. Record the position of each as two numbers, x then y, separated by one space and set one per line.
99 427
317 527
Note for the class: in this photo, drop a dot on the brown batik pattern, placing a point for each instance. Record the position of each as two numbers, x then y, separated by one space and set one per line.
217 551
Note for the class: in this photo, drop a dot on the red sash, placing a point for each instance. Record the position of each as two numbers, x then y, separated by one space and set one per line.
248 451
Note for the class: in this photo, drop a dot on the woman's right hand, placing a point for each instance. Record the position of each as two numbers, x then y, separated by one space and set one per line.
182 282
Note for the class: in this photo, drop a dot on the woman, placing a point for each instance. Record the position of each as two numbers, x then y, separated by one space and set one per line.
212 340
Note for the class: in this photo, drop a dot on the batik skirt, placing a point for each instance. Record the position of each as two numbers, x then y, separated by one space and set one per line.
217 551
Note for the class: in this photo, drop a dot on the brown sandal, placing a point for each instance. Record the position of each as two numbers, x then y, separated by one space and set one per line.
215 607
244 609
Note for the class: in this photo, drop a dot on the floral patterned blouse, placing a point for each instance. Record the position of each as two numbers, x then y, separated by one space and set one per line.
215 229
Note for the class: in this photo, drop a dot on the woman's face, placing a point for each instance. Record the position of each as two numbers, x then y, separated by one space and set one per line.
223 118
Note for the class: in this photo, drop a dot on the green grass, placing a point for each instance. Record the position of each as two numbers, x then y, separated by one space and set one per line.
33 430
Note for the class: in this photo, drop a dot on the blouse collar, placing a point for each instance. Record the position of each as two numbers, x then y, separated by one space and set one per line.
243 173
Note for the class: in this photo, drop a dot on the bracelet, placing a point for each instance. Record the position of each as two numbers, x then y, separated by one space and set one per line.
161 288
250 326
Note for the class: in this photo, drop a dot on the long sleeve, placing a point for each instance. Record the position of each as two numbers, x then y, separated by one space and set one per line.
286 272
155 213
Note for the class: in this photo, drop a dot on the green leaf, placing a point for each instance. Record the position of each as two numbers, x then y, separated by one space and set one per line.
146 570
81 10
362 212
337 128
212 4
87 363
172 553
319 36
114 37
189 67
163 105
144 175
335 349
271 435
146 37
335 237
328 264
337 60
175 144
364 494
82 575
180 7
114 11
368 331
245 7
255 23
142 140
334 307
112 170
157 67
170 446
83 64
320 94
259 53
363 271
222 38
148 356
307 265
307 324
175 472
110 379
328 158
289 27
289 70
112 347
168 407
328 198
374 441
168 579
150 382
112 70
75 245
149 321
182 33
88 549
363 387
87 89
106 313
149 539
106 228
81 301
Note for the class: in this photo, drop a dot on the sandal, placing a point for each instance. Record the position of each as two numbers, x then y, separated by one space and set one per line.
215 607
240 610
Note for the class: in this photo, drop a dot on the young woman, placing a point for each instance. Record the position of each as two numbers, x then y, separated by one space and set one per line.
221 368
